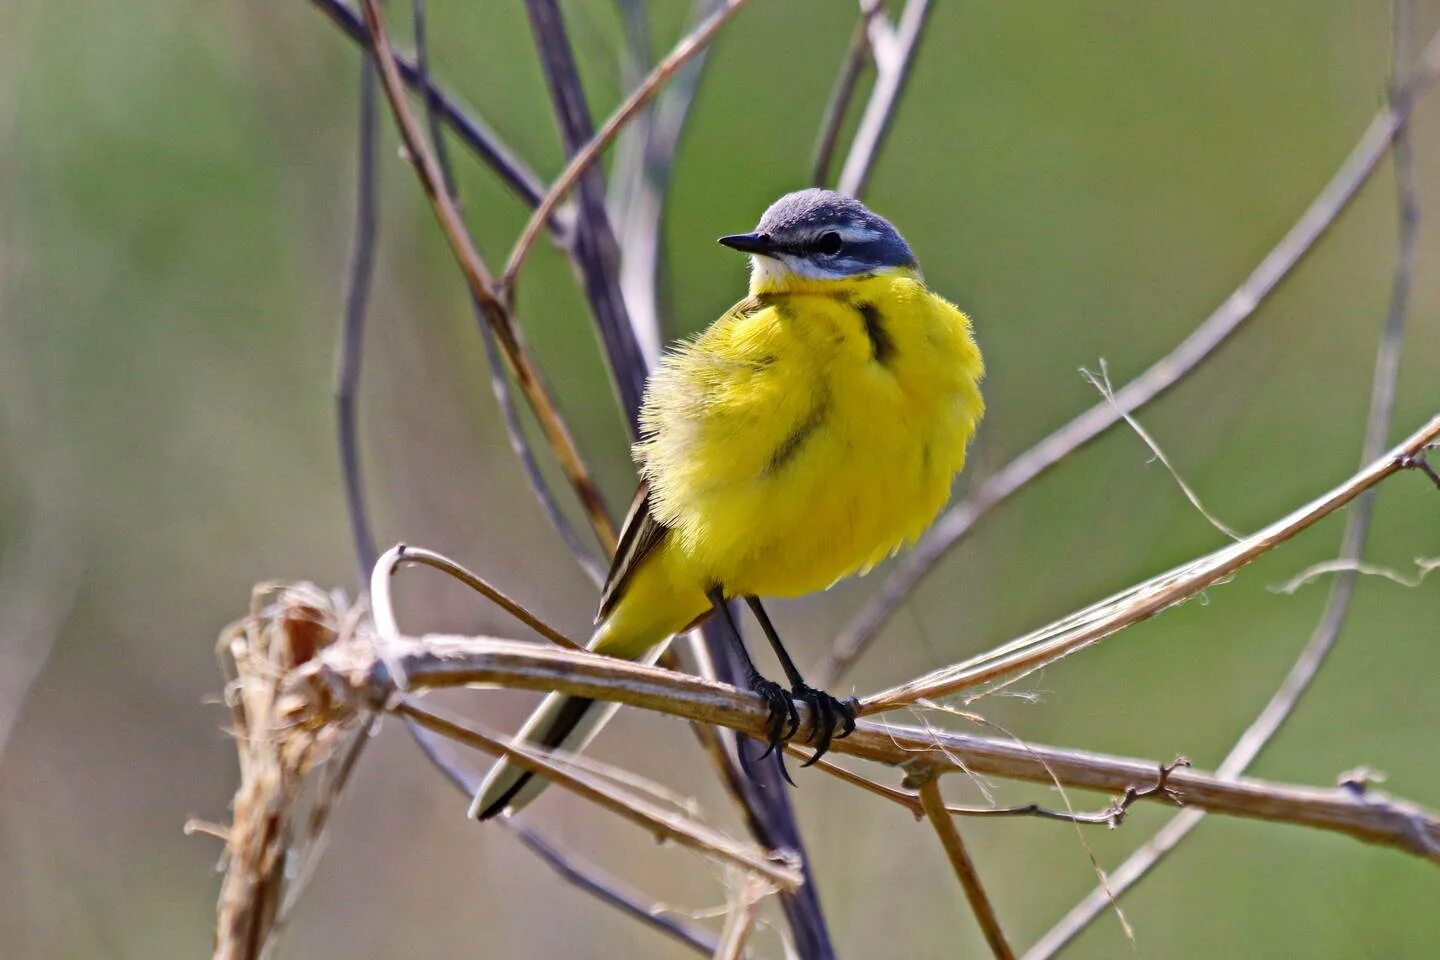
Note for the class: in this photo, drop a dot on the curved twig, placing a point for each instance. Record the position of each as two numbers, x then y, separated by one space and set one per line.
1317 649
437 662
499 384
352 329
688 47
1142 601
857 636
526 374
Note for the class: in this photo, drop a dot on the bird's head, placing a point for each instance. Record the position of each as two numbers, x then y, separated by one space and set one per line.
819 235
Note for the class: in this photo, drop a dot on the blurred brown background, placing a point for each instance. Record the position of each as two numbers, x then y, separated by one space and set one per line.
1087 179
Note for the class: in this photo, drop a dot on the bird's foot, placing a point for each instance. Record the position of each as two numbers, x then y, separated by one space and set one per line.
783 719
830 718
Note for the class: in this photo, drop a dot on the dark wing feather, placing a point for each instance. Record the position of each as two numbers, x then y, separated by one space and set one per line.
640 534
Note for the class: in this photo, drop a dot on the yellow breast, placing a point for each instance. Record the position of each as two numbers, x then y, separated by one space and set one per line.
809 433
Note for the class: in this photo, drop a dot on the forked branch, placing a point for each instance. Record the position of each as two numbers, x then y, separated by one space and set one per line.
1048 644
1160 377
443 662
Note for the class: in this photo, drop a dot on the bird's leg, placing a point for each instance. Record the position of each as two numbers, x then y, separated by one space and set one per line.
826 712
783 720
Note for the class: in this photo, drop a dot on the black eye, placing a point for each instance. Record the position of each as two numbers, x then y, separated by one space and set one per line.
828 244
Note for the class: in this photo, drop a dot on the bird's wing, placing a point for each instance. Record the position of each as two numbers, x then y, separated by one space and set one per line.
640 534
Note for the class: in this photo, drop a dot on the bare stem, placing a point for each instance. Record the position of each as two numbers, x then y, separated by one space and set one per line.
499 384
437 662
638 192
1094 623
857 636
526 374
352 329
593 254
844 92
1111 816
1337 606
664 824
894 55
688 47
481 140
969 877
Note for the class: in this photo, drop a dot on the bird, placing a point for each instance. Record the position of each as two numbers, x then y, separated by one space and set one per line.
811 432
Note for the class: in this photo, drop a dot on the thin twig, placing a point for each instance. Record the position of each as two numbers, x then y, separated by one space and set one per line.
688 47
594 254
857 636
1101 382
638 193
592 880
969 877
839 104
1098 621
441 662
352 329
745 897
894 56
481 140
1111 816
499 384
759 790
585 876
662 823
1317 649
526 374
401 554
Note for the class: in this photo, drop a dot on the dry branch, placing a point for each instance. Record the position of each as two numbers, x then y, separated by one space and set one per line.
1094 623
481 140
1203 341
1357 526
352 329
893 49
965 872
664 824
522 367
499 382
438 662
293 767
683 51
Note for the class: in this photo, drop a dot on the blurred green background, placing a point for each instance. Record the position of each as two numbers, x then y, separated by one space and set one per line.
1087 179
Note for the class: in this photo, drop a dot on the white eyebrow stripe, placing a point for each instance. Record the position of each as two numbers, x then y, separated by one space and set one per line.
858 233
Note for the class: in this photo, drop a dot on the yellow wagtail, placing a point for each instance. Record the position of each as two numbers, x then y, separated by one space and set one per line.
809 433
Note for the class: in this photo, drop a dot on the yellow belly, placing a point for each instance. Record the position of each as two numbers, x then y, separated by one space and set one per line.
793 445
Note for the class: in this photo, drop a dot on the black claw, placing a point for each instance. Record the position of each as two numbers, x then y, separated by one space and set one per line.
848 708
780 762
827 713
781 712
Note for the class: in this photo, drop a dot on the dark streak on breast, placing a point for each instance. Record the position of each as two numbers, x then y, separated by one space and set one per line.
882 348
790 447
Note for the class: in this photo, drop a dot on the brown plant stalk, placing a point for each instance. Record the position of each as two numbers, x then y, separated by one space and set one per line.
441 662
481 285
1225 321
1094 623
934 806
688 47
1327 631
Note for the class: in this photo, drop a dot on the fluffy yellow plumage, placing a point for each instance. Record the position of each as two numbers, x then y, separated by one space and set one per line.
805 436
809 433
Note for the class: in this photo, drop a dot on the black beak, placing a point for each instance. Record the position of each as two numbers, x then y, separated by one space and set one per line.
750 243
